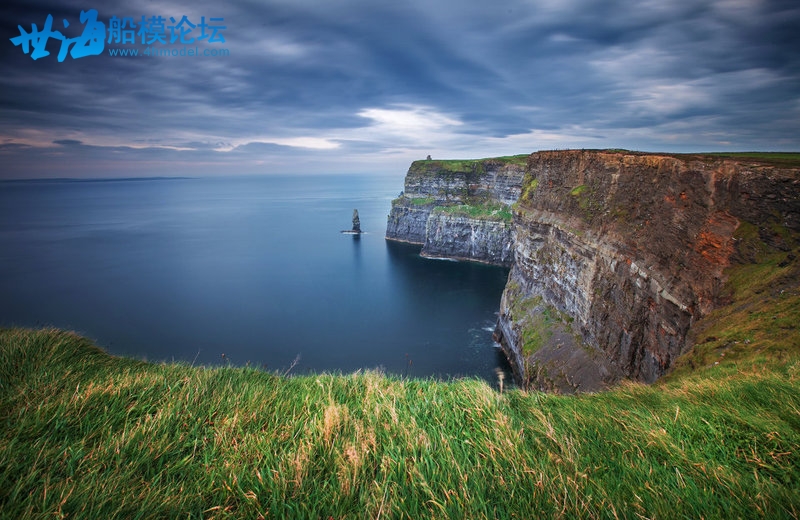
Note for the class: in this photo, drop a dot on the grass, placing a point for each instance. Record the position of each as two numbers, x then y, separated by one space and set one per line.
87 435
785 159
587 201
538 329
535 318
468 164
422 201
760 322
577 191
528 188
487 211
416 201
464 166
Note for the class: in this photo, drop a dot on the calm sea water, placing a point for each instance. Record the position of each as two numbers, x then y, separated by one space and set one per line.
252 268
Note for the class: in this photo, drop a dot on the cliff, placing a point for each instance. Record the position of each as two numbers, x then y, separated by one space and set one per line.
459 209
617 255
632 249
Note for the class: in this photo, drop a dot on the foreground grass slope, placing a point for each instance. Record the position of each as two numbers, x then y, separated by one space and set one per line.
84 434
87 435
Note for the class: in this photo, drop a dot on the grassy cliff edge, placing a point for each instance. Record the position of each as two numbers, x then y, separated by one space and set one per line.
85 434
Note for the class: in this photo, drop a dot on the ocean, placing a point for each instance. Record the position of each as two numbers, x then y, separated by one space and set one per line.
243 271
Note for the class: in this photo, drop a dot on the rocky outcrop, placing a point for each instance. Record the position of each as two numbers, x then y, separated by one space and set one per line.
631 250
459 209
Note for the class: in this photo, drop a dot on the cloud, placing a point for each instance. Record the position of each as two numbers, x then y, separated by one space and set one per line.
360 85
311 143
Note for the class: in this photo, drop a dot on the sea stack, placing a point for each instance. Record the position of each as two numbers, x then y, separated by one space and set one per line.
356 222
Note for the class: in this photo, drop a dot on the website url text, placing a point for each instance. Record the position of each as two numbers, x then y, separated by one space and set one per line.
174 51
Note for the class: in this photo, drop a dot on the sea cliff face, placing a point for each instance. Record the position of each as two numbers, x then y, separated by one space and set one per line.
459 209
630 250
463 237
616 255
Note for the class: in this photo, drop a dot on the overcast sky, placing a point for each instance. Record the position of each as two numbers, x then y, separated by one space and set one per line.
367 86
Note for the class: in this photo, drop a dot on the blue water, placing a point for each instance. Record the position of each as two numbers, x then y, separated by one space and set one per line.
243 270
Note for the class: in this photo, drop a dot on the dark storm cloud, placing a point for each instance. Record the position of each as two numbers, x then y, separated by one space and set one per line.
367 86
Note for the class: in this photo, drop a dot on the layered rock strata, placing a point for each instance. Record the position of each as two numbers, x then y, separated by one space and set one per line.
468 238
626 252
459 209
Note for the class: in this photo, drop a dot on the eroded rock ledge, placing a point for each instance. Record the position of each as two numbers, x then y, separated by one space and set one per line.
615 255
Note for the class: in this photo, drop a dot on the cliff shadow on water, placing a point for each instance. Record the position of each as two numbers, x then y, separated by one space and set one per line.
438 298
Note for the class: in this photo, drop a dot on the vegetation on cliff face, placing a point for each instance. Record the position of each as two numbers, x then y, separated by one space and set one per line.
485 211
538 321
477 207
87 435
415 201
760 319
528 188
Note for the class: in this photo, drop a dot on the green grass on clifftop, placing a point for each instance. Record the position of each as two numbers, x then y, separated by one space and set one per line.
784 159
465 165
87 435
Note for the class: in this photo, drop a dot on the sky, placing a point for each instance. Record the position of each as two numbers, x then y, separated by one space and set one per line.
367 86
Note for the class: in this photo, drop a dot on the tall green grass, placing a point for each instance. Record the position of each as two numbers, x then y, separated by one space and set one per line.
87 435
